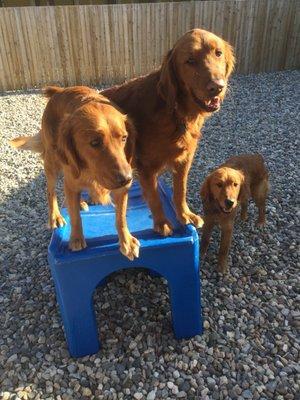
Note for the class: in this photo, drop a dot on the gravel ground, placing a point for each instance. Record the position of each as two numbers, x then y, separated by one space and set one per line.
249 349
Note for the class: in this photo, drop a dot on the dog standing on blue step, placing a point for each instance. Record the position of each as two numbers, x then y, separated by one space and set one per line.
230 185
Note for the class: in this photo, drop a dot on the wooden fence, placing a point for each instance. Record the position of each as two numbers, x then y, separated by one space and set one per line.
111 43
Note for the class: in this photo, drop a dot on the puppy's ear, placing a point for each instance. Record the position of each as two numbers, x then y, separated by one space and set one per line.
205 192
230 59
130 143
244 194
67 150
168 85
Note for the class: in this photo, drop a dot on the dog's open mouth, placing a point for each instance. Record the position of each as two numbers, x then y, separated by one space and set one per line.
224 210
209 105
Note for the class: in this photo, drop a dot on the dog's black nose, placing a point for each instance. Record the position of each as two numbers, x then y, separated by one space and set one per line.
216 86
228 203
124 179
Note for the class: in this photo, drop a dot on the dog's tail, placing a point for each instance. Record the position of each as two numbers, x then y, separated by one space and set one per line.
49 91
32 143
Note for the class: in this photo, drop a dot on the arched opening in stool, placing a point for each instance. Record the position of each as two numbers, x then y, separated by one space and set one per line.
132 306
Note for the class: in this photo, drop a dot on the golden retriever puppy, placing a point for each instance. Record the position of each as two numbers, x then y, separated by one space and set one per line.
169 107
230 185
87 138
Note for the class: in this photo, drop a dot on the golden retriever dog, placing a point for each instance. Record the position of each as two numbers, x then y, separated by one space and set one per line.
230 185
87 138
168 108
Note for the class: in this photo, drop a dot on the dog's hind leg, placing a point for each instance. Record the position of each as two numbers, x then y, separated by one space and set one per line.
244 210
260 193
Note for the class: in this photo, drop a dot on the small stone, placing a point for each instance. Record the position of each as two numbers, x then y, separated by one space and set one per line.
12 358
223 380
247 394
151 395
86 392
138 395
132 345
176 374
206 324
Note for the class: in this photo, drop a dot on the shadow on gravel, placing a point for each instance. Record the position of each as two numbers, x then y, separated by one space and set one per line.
132 308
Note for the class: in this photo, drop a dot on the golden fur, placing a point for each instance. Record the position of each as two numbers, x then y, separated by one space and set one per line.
230 185
168 108
87 138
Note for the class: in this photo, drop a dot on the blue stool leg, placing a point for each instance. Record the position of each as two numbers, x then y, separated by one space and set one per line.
76 306
184 290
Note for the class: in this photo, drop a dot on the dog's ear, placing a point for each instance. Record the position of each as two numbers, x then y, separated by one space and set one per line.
168 85
130 143
229 58
67 150
205 191
244 193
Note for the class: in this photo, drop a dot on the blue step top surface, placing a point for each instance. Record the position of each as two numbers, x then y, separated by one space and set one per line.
100 232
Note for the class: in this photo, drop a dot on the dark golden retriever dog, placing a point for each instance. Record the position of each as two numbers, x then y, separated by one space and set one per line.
230 185
87 138
168 108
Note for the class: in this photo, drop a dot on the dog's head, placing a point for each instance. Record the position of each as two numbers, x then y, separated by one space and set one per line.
226 187
198 66
98 139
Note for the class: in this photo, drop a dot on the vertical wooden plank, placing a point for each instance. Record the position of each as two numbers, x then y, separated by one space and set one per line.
291 58
109 43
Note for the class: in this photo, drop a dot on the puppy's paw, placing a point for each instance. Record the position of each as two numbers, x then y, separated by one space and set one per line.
130 247
77 243
222 268
163 227
260 223
84 205
56 221
190 218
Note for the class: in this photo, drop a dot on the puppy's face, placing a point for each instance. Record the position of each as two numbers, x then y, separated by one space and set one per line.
224 186
96 137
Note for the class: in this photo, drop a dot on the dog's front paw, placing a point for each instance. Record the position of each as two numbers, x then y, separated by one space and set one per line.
163 227
130 247
190 218
56 221
84 205
77 243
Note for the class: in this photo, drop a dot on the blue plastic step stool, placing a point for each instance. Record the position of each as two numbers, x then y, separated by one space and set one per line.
77 274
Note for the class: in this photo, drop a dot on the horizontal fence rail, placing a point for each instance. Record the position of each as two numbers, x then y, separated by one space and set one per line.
101 44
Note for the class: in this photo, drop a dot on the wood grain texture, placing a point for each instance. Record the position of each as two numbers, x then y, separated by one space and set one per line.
104 44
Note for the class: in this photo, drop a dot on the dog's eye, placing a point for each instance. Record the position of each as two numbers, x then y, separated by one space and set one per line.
124 138
191 61
219 184
235 184
96 142
218 53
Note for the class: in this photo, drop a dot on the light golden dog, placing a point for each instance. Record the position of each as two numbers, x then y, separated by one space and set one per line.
87 138
233 183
